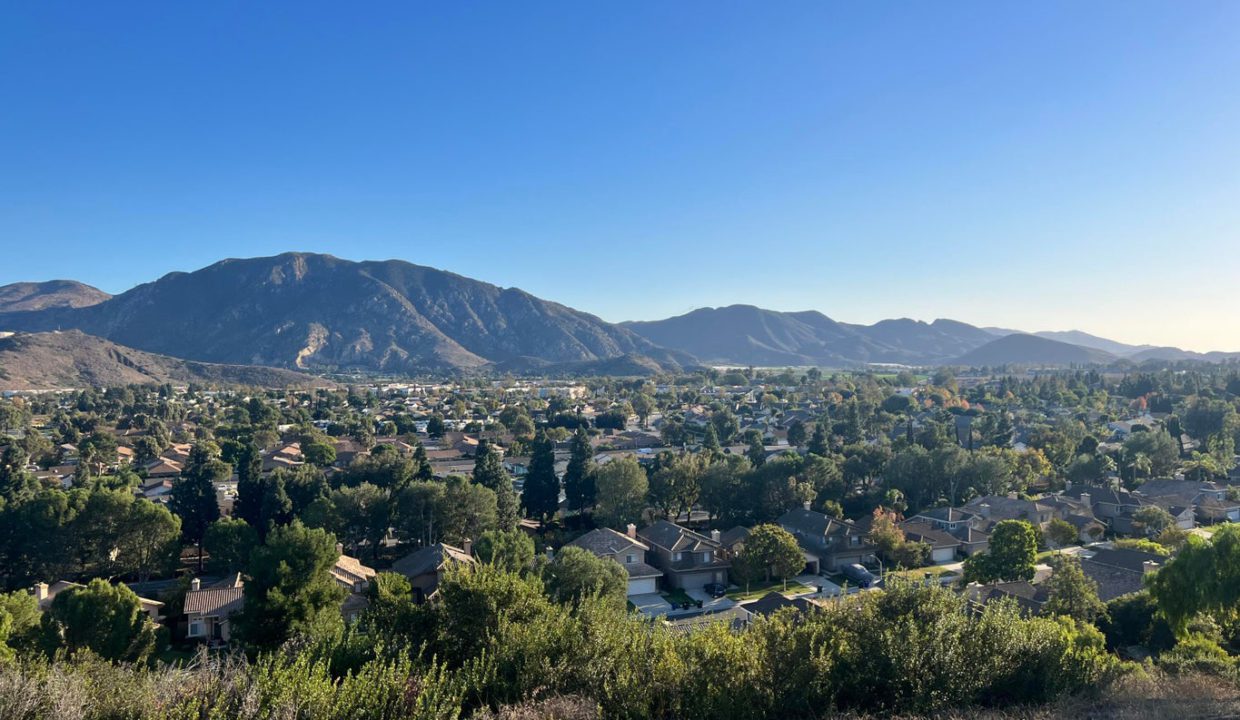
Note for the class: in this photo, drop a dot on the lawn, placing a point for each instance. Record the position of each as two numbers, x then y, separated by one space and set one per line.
757 590
935 571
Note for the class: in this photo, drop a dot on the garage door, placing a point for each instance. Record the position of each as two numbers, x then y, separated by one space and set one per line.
642 586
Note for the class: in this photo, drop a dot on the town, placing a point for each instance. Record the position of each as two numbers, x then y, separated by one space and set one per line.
221 519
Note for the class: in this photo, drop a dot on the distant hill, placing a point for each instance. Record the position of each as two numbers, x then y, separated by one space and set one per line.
308 311
1076 337
72 359
1021 349
25 296
748 335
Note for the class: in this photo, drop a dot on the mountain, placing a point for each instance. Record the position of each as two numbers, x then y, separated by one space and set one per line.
1021 349
747 335
72 359
318 312
24 296
1076 337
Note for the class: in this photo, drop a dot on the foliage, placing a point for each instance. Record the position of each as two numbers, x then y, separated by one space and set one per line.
576 573
1203 578
1011 555
621 487
105 619
1070 592
509 550
290 589
769 551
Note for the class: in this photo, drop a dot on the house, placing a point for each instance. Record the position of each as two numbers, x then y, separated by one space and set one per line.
1028 597
44 594
997 508
163 469
1120 571
1107 504
1205 500
733 540
689 560
350 574
773 602
960 524
425 567
830 542
944 547
209 610
627 550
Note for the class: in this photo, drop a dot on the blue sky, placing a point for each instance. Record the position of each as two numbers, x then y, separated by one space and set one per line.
1045 165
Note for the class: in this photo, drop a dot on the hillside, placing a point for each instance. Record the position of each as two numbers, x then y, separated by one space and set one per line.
743 334
53 360
25 296
1020 349
308 311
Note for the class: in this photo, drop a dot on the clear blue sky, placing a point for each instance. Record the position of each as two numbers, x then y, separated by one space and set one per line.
1044 165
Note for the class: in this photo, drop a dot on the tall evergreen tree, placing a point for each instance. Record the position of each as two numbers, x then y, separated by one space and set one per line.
193 496
541 496
818 443
489 472
756 452
422 464
710 442
579 476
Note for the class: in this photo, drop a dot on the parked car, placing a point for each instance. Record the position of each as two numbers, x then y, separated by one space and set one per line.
716 590
859 575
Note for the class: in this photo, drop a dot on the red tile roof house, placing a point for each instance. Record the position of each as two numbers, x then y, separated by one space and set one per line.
209 610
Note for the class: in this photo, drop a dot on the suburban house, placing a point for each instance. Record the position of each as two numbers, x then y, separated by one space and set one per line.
832 543
773 602
944 547
1120 571
44 594
1205 500
689 560
209 610
1028 597
733 540
1107 504
425 566
627 550
996 508
350 574
960 524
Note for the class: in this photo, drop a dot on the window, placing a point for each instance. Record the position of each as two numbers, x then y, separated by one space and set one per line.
630 559
678 556
195 629
707 556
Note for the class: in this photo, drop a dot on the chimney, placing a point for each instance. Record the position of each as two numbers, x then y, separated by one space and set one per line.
715 536
1149 567
985 509
631 531
1086 500
468 546
1012 495
340 548
1067 484
805 504
40 591
195 584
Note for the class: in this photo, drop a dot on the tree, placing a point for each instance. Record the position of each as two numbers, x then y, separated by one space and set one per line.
579 475
489 472
576 573
228 543
264 503
710 441
756 452
769 551
621 487
1152 520
193 496
148 540
818 443
19 623
106 619
1011 556
643 406
1203 578
885 532
361 515
512 551
290 591
468 511
319 454
796 433
1061 532
1070 592
541 494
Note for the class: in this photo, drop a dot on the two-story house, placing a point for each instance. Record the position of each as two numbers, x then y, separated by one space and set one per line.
627 550
689 560
833 542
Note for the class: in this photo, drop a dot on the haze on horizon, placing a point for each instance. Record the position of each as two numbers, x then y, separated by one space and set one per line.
1045 167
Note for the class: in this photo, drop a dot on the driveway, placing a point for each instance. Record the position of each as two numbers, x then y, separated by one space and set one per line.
650 604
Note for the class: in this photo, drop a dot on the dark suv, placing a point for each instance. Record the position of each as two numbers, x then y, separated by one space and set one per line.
716 590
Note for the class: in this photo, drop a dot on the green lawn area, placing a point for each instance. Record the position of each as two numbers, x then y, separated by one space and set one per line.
757 590
676 596
920 573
